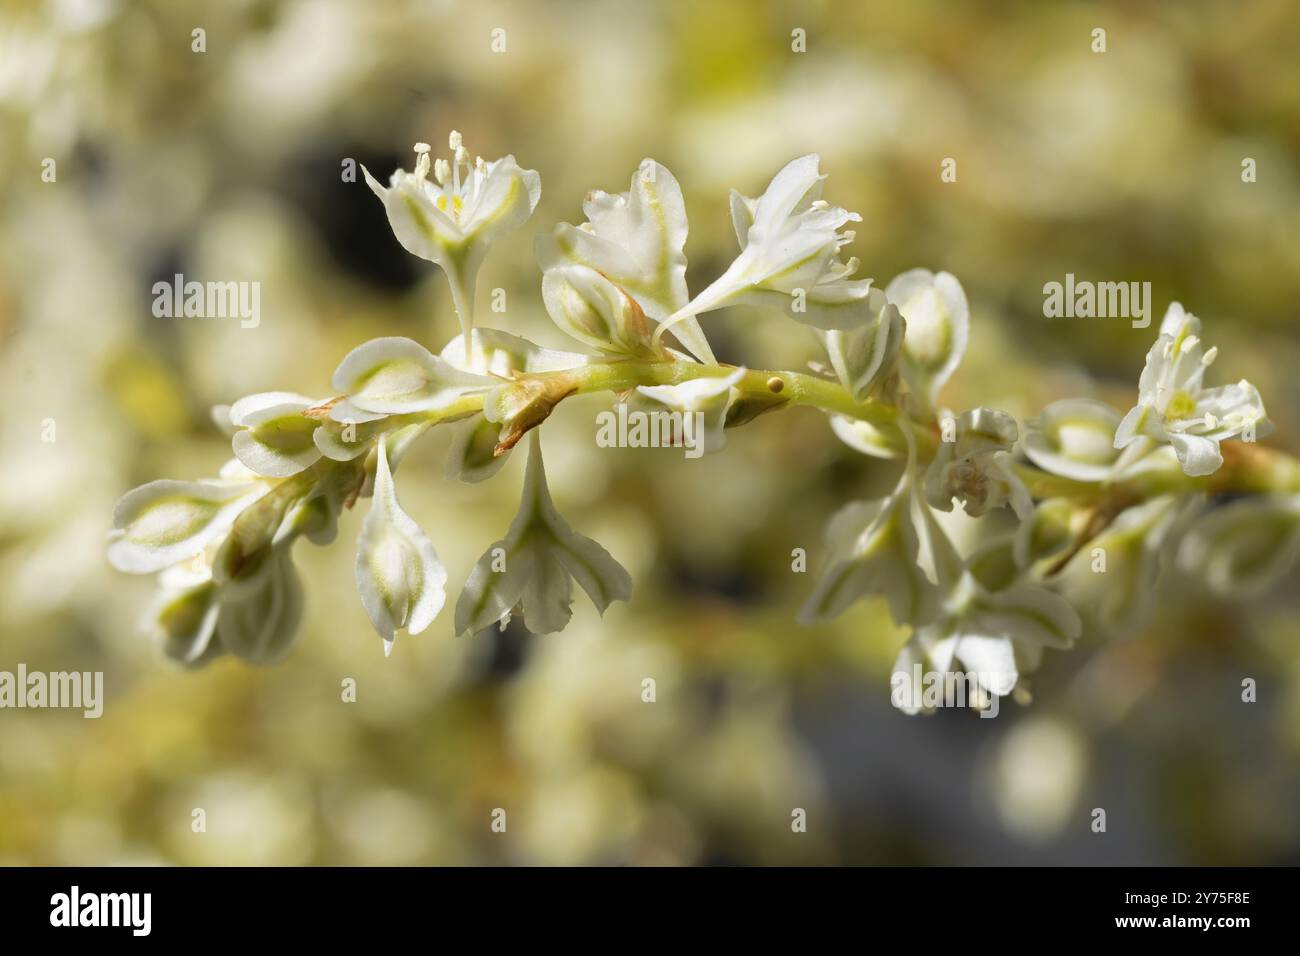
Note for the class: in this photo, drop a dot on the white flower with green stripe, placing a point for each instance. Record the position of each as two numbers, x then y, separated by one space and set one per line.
273 437
534 566
452 218
636 241
401 580
166 522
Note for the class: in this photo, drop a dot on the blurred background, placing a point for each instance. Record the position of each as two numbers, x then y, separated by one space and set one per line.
226 164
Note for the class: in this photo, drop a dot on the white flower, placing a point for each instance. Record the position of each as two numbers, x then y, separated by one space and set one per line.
938 327
453 219
636 240
259 615
472 456
535 566
874 551
790 241
273 437
976 467
895 548
394 376
398 572
596 312
1174 407
866 358
711 397
165 522
993 634
1074 438
185 615
1244 547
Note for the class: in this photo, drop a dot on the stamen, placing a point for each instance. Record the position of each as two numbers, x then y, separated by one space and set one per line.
1208 358
454 140
421 148
460 157
441 170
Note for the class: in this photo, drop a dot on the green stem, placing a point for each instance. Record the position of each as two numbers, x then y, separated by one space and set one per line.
792 388
1247 468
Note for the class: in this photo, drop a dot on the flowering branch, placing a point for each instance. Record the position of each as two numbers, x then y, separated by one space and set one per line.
1084 485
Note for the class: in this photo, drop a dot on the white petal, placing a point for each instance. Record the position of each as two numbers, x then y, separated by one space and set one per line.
499 353
276 440
491 594
1133 425
505 199
863 437
991 659
396 375
841 303
543 556
1028 613
796 185
866 357
882 561
332 440
165 522
1178 322
250 404
186 622
472 456
938 326
1074 438
419 225
1199 456
261 623
742 216
593 310
343 412
695 394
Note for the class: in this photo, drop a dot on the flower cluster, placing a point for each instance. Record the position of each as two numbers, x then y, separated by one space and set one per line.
1051 494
